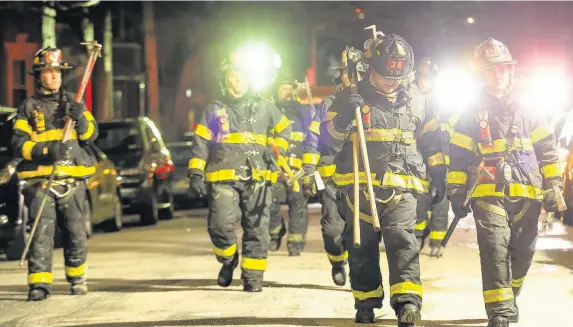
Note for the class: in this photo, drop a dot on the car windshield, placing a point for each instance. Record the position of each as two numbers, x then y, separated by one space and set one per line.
6 153
119 138
180 154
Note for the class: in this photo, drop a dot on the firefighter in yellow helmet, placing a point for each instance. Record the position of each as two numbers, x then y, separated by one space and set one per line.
37 139
232 165
404 135
514 143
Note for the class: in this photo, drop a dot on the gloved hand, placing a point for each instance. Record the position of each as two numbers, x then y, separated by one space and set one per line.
437 188
309 187
59 151
197 185
345 117
76 110
458 206
550 200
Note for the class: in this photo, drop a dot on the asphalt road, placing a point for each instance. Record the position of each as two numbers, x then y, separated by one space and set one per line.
165 275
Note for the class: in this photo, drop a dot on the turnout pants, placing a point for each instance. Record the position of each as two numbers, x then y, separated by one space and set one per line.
507 233
247 203
397 227
332 228
297 216
67 213
431 220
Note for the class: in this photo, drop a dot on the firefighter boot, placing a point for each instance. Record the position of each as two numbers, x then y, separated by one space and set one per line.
498 321
434 251
364 316
275 243
37 294
515 317
253 285
226 273
294 249
408 314
80 288
339 275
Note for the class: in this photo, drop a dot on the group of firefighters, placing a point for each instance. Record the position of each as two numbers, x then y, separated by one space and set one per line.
247 148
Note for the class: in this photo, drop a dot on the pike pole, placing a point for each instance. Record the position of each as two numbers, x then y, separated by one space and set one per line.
69 125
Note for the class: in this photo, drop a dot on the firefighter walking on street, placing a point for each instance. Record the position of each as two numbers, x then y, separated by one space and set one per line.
403 135
231 156
503 135
318 157
37 139
432 220
300 116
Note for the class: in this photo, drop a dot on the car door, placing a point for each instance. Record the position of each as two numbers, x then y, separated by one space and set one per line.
98 188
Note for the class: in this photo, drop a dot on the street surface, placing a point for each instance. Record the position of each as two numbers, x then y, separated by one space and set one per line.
165 275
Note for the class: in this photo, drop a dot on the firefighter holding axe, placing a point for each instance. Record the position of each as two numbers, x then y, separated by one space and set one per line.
50 133
398 138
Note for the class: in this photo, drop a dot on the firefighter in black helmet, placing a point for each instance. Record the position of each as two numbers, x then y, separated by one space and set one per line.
232 165
432 220
299 112
404 147
318 157
37 139
501 134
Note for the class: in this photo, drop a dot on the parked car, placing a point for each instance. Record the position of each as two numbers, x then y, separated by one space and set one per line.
184 197
144 165
102 206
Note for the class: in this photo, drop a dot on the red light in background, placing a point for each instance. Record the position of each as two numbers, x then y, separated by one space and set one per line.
358 10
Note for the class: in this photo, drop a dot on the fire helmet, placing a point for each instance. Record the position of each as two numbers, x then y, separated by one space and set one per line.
492 52
391 57
48 58
427 68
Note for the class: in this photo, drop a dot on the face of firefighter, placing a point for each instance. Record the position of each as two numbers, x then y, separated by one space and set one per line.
383 84
497 78
285 92
51 78
426 84
236 83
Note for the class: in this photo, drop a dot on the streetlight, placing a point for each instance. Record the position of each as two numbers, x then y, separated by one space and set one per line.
470 20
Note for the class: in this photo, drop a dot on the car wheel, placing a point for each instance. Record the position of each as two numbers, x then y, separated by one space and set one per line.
149 213
115 224
16 247
169 212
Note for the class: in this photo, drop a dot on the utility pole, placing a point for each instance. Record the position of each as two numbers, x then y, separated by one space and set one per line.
151 61
103 72
48 27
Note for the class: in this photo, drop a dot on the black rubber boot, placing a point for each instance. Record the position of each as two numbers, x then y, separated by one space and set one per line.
253 285
498 321
226 273
79 288
294 249
339 275
515 317
275 244
364 316
408 314
37 294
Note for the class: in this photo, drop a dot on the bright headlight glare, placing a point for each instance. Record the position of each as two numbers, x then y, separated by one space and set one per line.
259 64
454 89
546 89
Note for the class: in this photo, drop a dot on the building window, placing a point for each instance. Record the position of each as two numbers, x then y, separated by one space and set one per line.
19 67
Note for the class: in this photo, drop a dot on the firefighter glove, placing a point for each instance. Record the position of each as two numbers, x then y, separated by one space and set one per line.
309 188
197 185
437 188
76 110
345 117
550 201
59 151
458 207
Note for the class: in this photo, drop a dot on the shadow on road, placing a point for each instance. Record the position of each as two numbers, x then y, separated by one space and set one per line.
289 321
160 285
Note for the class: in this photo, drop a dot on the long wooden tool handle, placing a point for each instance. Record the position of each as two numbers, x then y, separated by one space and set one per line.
94 53
356 189
366 163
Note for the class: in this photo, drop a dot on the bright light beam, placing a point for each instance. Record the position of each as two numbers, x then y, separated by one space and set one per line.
260 64
454 89
547 90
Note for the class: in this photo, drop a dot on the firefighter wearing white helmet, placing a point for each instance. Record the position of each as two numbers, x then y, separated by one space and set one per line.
319 157
498 133
230 154
404 150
